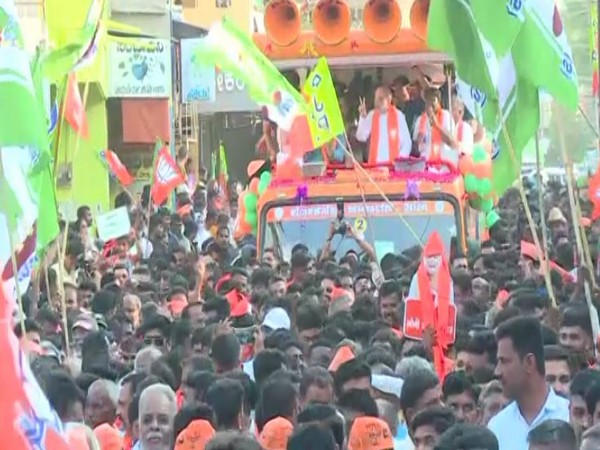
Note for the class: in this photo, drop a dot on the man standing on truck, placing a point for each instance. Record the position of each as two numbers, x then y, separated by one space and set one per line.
433 130
386 127
463 133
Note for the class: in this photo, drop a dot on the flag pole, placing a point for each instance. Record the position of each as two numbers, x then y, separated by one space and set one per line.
578 236
536 240
538 166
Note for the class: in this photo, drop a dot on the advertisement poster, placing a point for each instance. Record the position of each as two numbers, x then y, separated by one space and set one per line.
140 70
198 82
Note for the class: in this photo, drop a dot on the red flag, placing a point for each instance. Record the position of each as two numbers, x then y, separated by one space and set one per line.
74 109
594 193
27 421
166 176
116 168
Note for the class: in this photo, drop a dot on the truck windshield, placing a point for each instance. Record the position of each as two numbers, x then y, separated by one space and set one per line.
377 222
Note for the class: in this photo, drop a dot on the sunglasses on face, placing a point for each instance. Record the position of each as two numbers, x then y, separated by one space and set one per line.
155 341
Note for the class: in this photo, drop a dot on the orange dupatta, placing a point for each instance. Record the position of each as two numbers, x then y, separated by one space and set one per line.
437 317
393 135
436 136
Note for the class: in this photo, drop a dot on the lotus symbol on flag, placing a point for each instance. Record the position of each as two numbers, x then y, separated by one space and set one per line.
164 172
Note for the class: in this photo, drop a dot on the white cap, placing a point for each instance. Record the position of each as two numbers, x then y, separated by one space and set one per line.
277 319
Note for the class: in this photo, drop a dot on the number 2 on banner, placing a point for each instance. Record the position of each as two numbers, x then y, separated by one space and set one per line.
360 225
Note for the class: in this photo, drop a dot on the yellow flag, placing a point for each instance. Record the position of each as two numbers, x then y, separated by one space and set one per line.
324 116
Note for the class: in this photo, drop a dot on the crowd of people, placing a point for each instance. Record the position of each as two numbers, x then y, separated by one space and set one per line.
177 337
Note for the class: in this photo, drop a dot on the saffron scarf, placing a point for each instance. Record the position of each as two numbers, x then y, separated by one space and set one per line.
432 316
436 136
393 135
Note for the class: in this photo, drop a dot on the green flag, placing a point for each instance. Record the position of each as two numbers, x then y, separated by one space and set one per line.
22 123
491 86
499 22
231 50
80 52
42 184
543 55
452 29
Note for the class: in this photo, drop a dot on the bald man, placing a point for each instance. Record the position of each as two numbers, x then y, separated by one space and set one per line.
158 407
386 128
101 403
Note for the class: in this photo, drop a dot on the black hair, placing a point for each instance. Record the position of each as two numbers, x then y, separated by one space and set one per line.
555 353
104 302
134 379
582 380
30 325
267 362
439 418
134 409
150 380
359 402
350 370
313 437
553 431
577 316
325 416
62 393
317 376
226 397
505 314
218 305
198 363
467 437
457 383
162 370
250 391
592 397
309 316
156 322
225 351
414 387
189 413
233 440
277 399
200 382
526 336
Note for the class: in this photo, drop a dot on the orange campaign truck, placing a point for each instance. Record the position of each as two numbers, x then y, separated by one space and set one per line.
392 206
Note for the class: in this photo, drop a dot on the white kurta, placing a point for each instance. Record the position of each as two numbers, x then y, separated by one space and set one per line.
363 132
425 144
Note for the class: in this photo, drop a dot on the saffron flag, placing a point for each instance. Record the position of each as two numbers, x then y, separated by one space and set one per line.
166 176
115 167
74 109
28 421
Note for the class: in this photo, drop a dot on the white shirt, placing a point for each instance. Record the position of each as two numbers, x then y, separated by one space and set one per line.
446 153
365 125
466 140
511 429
